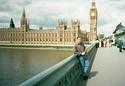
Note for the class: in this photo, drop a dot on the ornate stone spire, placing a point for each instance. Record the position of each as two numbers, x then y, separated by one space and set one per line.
23 19
93 4
23 14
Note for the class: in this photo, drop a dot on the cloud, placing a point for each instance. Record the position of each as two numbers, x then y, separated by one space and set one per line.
111 12
47 12
4 19
12 5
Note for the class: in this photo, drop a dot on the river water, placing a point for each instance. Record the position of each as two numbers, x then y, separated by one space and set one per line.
18 65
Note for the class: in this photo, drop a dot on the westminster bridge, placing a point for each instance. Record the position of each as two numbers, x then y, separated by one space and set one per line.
106 69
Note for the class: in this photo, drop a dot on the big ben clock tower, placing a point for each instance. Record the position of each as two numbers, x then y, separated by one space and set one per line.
93 22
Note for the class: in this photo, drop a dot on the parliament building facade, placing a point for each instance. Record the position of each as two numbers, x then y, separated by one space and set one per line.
61 35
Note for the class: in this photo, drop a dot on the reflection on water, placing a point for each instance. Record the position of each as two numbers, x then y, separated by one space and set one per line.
18 65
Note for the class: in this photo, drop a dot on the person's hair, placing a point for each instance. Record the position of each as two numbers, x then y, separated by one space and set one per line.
81 41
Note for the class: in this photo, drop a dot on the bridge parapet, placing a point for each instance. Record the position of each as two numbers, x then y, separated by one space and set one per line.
64 73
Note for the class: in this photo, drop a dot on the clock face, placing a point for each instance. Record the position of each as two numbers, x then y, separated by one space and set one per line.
93 14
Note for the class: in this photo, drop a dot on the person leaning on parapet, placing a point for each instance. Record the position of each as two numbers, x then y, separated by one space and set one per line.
79 49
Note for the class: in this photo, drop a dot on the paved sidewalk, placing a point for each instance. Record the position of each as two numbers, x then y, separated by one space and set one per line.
108 68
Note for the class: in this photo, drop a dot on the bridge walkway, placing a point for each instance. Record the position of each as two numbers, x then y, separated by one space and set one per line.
108 68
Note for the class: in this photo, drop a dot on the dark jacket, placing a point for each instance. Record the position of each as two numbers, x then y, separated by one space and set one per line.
78 48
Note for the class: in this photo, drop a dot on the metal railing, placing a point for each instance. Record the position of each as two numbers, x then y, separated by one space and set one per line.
64 73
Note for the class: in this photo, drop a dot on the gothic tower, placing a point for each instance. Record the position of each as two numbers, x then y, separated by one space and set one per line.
76 25
24 24
93 22
76 28
62 25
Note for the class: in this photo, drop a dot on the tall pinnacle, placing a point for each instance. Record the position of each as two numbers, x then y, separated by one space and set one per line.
93 4
23 19
93 0
23 14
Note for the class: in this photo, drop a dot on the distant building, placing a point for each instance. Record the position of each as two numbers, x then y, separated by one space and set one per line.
119 33
92 35
61 35
24 35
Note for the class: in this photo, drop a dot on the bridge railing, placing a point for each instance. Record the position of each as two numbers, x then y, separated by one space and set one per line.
64 73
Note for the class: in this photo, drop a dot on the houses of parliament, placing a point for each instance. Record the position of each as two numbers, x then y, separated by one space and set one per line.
62 35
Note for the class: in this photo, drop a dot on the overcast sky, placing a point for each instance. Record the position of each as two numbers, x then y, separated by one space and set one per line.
47 12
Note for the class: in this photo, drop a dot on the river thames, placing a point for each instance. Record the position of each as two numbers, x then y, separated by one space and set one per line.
18 65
